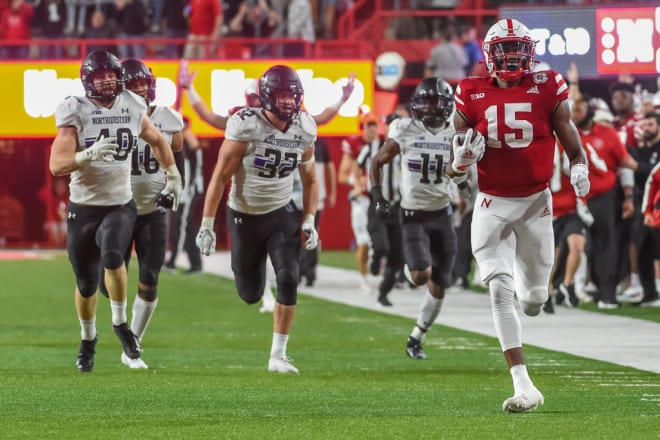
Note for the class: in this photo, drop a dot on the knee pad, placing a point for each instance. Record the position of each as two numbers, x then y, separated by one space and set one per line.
440 278
250 287
533 300
112 259
86 288
149 277
501 291
287 287
148 295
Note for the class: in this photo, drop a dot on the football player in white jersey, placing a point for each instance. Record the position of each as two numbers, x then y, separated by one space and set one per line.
261 149
147 182
429 239
95 136
186 79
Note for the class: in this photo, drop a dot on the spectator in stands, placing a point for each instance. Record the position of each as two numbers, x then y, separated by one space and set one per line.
255 19
158 6
76 12
131 21
15 26
447 59
51 19
205 21
475 57
325 19
99 30
299 24
176 26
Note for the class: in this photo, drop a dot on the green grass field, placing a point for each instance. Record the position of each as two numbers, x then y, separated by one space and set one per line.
208 354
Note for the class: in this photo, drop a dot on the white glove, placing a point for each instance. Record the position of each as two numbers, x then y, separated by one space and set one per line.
311 236
205 240
103 150
469 152
173 185
580 179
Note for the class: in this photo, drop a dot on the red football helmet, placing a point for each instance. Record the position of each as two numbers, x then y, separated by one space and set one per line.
509 49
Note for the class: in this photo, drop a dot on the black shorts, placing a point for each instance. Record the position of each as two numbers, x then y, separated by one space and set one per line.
567 225
429 239
97 235
253 238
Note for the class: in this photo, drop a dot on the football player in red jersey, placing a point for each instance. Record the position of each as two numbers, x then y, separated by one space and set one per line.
519 112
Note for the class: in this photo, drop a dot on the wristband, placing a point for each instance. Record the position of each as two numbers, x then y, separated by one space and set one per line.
207 223
193 97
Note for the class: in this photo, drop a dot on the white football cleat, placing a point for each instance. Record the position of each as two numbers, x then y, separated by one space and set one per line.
282 365
631 295
526 401
133 364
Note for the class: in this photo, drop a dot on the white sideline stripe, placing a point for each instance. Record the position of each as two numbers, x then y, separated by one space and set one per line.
616 339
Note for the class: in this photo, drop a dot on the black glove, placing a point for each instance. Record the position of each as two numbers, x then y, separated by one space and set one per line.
381 205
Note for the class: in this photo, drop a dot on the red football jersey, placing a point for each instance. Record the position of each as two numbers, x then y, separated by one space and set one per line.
564 200
605 151
517 124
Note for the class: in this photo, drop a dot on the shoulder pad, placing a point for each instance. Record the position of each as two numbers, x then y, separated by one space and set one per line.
170 119
399 126
308 127
241 126
136 100
66 111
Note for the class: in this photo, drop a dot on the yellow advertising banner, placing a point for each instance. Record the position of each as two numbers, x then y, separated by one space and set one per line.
32 90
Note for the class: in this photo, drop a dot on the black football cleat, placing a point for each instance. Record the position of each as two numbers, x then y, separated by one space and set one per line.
383 301
85 362
414 349
548 307
129 341
569 291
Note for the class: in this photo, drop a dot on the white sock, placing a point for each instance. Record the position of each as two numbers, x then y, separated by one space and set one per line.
634 279
428 311
521 380
418 333
118 312
278 349
88 329
142 313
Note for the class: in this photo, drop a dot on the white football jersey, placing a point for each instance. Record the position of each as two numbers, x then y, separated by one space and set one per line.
424 154
103 183
147 177
264 181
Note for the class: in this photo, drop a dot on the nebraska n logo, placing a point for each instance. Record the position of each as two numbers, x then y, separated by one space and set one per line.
485 203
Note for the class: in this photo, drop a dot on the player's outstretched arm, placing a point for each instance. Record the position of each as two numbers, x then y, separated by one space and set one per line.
186 79
330 112
229 160
310 183
570 139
